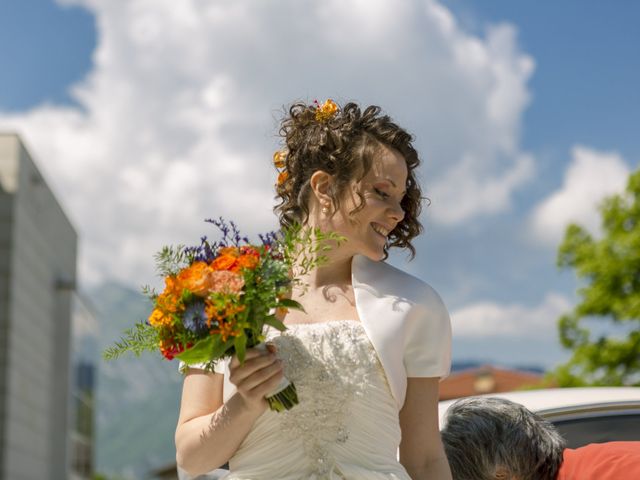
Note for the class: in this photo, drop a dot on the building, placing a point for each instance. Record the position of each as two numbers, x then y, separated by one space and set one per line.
37 287
486 379
84 358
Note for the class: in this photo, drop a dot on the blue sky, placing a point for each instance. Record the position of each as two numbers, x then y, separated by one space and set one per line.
587 64
537 124
48 48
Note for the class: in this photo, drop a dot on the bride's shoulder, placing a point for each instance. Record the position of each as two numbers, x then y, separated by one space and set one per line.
390 280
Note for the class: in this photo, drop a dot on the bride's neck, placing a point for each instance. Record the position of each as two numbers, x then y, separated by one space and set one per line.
335 271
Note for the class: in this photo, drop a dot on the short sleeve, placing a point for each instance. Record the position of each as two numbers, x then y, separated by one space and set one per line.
217 367
428 337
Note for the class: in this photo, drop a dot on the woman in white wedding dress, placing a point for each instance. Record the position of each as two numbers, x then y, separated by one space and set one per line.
367 355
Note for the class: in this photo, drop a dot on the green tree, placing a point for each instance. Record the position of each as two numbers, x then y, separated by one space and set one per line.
608 269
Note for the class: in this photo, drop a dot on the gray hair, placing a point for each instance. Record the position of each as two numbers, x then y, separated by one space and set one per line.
484 436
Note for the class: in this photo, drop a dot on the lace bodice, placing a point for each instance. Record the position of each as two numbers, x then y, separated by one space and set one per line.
346 424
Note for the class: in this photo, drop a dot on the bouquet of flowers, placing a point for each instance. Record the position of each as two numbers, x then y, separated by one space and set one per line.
220 296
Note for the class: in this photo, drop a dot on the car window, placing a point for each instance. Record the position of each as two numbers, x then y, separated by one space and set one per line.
605 428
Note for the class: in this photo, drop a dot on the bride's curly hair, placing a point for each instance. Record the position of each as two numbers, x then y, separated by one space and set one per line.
344 146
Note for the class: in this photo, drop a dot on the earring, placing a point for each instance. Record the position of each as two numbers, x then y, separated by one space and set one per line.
325 208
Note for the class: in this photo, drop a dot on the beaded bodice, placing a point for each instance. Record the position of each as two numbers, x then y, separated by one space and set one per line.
346 424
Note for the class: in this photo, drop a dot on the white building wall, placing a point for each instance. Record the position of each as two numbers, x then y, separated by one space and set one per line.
41 270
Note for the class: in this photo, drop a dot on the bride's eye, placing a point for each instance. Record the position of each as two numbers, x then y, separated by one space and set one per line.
382 194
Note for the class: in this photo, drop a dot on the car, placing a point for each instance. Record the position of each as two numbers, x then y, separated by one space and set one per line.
582 415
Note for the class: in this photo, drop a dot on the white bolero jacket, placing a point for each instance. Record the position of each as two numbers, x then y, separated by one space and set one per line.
405 320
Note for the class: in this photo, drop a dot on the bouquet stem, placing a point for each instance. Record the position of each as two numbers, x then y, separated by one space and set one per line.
285 396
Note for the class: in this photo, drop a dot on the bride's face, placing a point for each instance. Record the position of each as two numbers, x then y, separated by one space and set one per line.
370 208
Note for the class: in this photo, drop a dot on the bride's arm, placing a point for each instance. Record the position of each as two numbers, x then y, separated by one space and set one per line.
421 450
209 431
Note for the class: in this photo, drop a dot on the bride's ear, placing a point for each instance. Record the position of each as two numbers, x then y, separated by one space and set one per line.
320 183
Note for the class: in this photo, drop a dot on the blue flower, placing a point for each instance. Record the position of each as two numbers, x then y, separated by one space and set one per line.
195 318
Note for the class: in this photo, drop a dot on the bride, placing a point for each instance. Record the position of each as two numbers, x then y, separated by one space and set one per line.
367 354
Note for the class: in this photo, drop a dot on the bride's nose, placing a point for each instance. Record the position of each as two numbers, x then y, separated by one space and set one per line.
396 212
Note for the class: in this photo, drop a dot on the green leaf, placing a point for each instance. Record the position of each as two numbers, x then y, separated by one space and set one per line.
205 350
240 344
288 303
274 322
198 353
219 347
142 337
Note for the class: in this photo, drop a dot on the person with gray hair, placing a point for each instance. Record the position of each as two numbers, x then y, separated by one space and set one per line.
496 439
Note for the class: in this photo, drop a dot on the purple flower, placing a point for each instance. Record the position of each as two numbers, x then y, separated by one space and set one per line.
195 318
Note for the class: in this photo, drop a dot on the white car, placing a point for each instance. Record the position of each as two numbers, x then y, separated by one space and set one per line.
582 415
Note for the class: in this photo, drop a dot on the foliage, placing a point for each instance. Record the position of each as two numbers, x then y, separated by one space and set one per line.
219 295
609 268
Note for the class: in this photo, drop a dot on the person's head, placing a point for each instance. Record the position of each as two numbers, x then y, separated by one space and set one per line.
496 439
351 172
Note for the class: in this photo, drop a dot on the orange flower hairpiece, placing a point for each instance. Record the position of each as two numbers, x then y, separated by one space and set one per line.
282 177
326 111
279 158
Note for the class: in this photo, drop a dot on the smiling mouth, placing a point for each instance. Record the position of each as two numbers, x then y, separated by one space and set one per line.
380 230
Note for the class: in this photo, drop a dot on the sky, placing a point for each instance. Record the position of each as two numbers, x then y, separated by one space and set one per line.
147 116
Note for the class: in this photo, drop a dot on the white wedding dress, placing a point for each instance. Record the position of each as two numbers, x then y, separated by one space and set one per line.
346 425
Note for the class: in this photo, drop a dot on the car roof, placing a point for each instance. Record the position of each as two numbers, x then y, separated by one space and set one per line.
549 399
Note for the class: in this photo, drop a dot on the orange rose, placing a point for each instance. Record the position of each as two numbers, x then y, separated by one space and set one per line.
199 278
223 262
245 261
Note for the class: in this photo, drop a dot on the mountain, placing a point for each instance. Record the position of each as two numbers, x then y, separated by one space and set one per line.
137 398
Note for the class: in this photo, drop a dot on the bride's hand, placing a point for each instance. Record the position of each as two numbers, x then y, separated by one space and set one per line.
260 374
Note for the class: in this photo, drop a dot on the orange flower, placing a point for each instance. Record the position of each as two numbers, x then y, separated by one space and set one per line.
282 177
249 261
224 262
158 318
170 299
196 278
172 286
226 330
169 303
326 111
279 158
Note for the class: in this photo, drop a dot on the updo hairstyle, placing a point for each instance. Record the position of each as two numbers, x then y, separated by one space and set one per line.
344 146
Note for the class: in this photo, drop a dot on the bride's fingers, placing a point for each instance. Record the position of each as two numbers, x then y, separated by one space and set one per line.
266 387
238 373
249 354
249 384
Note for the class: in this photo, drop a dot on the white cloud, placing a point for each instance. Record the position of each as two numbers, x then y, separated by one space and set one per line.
591 176
177 115
490 319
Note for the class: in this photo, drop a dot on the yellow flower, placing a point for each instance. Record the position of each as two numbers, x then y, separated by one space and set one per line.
279 158
159 318
326 111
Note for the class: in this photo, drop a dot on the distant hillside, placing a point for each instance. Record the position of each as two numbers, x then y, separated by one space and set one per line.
137 399
460 365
